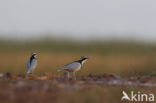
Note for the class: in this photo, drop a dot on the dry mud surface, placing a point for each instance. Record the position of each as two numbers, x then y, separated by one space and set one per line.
48 88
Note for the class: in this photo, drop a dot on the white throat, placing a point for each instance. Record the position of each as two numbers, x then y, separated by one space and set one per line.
84 61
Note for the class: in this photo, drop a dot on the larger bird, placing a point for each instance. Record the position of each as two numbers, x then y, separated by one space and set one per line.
74 66
31 63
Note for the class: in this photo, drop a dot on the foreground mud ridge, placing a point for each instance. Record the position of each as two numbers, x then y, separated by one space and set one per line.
50 88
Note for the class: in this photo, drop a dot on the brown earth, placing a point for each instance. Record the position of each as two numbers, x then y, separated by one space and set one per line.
48 88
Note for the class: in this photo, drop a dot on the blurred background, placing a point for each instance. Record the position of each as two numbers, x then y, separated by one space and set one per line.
117 35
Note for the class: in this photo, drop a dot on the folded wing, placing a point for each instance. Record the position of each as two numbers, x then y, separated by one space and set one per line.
70 66
31 65
28 66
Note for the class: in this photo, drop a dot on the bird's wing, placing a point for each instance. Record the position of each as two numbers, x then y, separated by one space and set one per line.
33 63
28 66
72 65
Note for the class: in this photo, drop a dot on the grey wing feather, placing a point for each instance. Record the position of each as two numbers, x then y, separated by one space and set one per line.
28 66
70 66
31 66
33 63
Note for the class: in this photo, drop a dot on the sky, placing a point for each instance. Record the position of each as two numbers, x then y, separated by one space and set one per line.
80 19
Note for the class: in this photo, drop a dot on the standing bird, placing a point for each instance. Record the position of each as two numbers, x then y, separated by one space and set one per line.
31 63
74 66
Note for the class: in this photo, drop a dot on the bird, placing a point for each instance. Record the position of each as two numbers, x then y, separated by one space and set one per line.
31 64
73 66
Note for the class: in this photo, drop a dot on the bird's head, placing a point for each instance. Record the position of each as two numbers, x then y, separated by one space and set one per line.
84 59
33 54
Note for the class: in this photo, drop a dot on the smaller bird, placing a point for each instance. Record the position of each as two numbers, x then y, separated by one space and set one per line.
74 66
31 64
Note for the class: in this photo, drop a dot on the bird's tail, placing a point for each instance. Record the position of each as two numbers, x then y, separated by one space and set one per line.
60 69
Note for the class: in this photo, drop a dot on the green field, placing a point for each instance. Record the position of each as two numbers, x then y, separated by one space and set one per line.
125 58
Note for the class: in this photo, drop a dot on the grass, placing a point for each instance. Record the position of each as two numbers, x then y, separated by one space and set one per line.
125 59
104 48
121 58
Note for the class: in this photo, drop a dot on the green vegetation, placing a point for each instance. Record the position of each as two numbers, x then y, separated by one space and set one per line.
123 58
102 47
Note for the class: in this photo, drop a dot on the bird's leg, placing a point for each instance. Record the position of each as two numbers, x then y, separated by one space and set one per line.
74 76
68 75
32 71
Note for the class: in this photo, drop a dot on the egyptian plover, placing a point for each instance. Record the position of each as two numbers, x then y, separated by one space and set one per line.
31 63
74 66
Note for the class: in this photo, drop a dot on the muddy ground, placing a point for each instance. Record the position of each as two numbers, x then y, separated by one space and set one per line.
48 88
